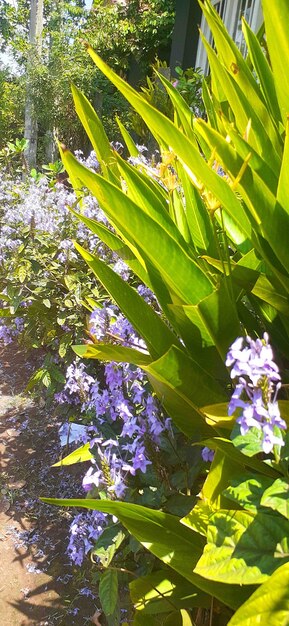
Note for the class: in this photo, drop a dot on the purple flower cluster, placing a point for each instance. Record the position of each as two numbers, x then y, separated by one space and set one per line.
84 531
122 399
108 323
77 387
9 332
252 365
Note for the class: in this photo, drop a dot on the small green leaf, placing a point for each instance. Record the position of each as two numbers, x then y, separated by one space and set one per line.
249 444
46 379
22 273
108 543
108 591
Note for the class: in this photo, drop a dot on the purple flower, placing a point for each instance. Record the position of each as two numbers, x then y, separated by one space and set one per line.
252 365
84 531
140 461
91 479
85 591
207 454
253 359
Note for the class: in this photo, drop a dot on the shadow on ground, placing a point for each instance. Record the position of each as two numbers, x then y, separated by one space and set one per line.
38 585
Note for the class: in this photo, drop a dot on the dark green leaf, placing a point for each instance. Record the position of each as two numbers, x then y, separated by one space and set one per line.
108 591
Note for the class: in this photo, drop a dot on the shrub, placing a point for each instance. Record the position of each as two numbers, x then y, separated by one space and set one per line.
207 232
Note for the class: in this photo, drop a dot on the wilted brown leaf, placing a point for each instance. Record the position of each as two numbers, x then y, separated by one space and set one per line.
94 619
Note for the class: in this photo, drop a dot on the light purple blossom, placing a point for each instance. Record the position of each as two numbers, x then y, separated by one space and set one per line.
253 366
84 531
207 454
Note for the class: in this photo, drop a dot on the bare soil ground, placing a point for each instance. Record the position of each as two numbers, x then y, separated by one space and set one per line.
38 586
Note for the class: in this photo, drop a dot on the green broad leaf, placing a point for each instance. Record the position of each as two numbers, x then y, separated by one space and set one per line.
209 105
201 174
116 244
177 208
276 497
282 196
186 618
276 17
249 444
164 535
258 164
141 619
267 216
228 449
222 470
198 219
159 591
108 352
217 416
174 619
147 196
96 133
108 591
128 140
252 187
243 548
74 180
219 315
239 72
198 518
6 312
77 456
172 261
243 110
267 291
184 413
178 618
182 385
248 493
263 71
182 110
192 329
268 605
179 504
147 323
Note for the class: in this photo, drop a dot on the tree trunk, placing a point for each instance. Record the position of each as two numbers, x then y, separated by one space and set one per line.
34 56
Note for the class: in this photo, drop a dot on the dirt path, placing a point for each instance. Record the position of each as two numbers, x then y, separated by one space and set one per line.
37 586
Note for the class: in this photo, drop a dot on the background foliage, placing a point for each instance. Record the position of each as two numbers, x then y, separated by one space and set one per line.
129 34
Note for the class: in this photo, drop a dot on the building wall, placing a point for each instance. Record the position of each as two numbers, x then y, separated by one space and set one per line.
187 48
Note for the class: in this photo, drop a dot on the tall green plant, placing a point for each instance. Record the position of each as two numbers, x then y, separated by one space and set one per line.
211 241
